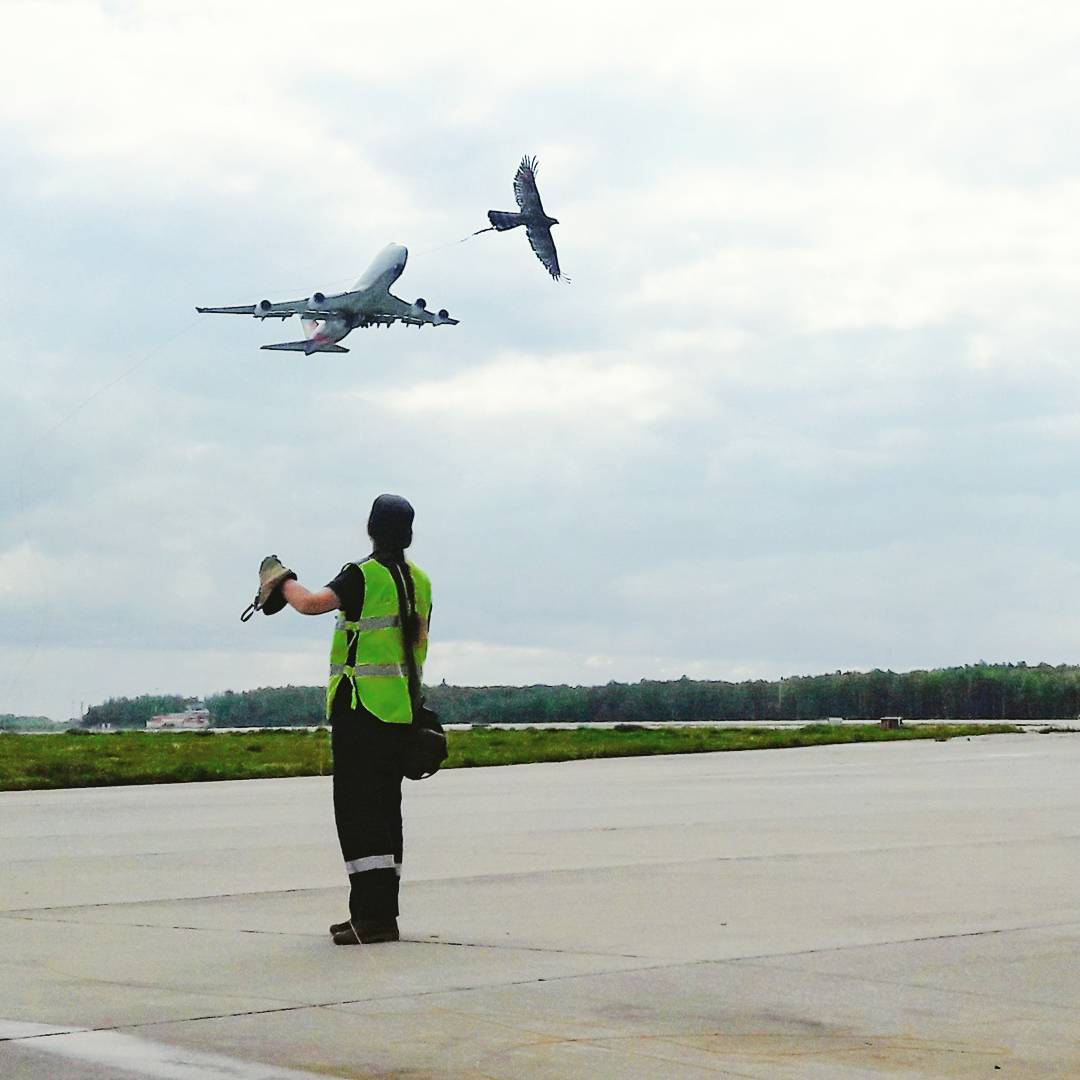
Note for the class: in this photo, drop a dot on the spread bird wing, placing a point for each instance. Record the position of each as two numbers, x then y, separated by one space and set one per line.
528 198
541 242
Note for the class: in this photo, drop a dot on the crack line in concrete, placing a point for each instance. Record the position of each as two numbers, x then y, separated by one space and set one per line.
530 948
668 965
314 934
162 926
591 952
782 856
22 912
347 1001
901 941
905 984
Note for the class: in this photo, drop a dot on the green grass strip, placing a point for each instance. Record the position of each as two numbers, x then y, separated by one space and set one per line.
30 762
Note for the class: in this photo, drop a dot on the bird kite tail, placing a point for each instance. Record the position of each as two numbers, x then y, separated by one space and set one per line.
502 220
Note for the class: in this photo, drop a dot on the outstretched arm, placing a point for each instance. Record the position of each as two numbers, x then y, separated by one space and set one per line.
310 603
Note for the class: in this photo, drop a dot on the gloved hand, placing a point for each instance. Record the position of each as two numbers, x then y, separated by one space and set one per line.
272 575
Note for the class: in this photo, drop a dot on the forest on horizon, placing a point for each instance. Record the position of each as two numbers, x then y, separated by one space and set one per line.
972 692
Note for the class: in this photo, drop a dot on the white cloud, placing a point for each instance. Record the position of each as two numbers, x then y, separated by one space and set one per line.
889 250
562 389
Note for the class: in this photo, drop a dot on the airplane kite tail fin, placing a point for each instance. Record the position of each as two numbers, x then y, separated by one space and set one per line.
307 347
502 221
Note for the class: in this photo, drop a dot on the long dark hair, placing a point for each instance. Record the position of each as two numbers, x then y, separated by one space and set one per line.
406 593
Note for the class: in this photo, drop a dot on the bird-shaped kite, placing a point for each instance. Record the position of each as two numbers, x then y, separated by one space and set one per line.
537 223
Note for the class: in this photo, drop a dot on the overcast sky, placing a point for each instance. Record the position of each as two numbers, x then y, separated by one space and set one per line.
810 402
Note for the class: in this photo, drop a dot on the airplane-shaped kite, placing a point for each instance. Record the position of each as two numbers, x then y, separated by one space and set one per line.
327 319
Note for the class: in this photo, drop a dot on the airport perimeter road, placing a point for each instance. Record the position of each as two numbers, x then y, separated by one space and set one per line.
900 909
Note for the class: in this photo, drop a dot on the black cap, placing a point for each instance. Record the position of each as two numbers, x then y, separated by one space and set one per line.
390 522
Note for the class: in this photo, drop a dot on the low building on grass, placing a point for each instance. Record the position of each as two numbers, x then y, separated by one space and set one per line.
195 718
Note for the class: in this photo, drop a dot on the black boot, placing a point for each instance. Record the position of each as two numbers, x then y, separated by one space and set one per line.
368 932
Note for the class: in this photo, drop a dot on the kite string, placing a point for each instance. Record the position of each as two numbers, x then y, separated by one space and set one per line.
452 243
344 281
18 671
109 385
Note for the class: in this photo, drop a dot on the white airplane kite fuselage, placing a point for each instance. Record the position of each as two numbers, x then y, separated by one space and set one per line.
327 319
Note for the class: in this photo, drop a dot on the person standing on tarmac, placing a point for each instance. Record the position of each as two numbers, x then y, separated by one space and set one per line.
384 605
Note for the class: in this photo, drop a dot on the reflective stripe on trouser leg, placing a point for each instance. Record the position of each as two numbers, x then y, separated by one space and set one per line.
371 862
373 894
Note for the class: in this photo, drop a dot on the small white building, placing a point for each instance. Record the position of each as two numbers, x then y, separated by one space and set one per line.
191 719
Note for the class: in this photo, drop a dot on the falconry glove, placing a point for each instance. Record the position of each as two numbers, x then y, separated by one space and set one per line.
269 599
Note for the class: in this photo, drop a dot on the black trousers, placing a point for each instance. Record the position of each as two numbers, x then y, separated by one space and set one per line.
368 756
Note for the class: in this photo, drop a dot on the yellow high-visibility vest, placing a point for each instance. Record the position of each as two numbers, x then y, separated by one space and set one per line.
370 651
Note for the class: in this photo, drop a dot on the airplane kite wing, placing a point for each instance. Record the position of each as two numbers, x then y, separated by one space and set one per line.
390 308
309 308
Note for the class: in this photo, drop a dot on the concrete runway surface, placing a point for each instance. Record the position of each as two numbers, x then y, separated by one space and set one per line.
901 909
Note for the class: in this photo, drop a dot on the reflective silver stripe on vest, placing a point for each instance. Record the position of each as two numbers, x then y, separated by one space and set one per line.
370 862
368 670
372 622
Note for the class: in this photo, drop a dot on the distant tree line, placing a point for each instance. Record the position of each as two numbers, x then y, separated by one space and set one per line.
280 706
11 722
973 692
283 706
976 691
